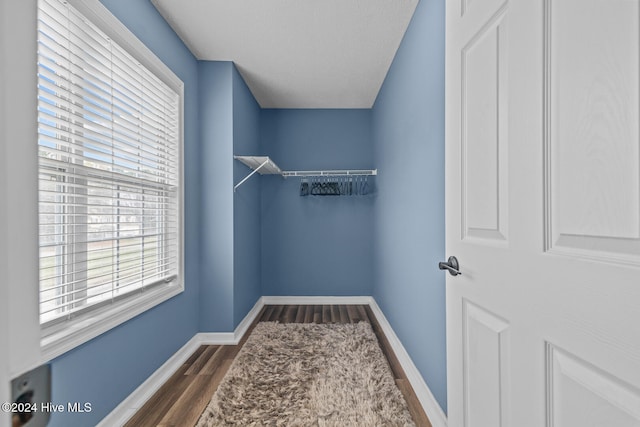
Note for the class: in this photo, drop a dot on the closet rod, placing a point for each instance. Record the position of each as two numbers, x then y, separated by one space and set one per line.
345 172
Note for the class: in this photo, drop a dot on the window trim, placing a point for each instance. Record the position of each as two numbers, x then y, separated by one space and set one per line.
56 340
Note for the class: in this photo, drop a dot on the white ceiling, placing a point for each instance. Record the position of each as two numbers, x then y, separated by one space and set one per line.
297 53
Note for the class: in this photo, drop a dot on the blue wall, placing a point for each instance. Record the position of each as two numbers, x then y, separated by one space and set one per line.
216 121
408 119
267 240
107 369
316 245
246 202
230 232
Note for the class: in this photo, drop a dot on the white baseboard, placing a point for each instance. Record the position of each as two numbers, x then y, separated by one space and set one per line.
216 338
242 327
128 407
429 404
315 300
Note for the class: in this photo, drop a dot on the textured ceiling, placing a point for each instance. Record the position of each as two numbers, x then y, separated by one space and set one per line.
297 53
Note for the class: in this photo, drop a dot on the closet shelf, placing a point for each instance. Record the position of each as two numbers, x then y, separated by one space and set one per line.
265 166
261 164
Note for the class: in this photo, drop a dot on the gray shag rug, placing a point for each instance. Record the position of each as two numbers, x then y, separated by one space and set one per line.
297 374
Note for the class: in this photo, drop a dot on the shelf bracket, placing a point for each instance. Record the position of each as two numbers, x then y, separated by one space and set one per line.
250 175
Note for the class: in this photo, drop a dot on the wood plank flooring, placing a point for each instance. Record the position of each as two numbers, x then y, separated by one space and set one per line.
181 400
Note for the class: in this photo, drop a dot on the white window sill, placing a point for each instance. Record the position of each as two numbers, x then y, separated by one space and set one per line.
89 326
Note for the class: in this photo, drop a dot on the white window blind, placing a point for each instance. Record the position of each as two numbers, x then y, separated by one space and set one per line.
109 169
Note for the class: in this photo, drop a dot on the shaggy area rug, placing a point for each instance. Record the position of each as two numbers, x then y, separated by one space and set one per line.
297 374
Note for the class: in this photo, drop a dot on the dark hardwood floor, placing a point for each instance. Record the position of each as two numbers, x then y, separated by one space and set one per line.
181 400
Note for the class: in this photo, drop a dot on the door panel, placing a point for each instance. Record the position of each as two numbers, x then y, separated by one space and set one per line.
582 395
593 161
484 133
486 367
543 212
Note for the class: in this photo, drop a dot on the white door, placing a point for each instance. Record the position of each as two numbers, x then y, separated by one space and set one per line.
5 246
543 212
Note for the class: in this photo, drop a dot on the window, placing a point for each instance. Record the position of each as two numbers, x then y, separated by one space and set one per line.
109 152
